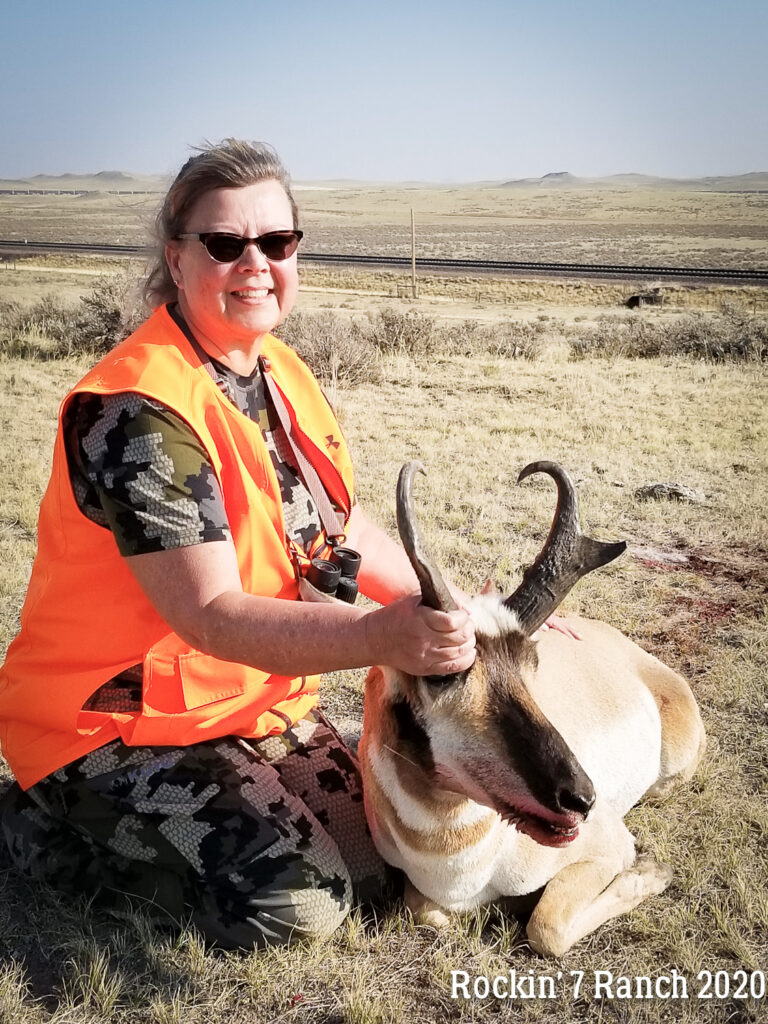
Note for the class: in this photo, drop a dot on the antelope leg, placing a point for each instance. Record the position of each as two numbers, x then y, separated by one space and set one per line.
585 895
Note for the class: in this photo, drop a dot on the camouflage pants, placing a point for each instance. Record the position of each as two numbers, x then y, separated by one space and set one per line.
254 842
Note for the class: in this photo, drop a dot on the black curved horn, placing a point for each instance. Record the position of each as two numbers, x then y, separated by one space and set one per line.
434 592
566 556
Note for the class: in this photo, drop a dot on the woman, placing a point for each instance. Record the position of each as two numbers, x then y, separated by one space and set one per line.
157 707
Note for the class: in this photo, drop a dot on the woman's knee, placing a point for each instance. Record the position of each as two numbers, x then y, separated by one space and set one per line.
37 844
290 902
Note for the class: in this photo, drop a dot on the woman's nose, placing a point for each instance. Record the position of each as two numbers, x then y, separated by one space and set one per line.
252 258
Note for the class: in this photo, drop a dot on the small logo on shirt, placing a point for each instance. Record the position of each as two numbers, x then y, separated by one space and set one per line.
227 390
330 443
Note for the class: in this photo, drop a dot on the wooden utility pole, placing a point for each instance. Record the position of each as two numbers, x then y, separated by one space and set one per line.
413 256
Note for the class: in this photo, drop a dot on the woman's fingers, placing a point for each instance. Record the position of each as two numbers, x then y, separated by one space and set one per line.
562 625
450 660
420 640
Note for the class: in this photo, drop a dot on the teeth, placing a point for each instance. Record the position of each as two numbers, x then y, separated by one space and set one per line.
516 818
253 293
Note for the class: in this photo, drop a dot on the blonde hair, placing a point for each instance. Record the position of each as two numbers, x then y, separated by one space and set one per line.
231 163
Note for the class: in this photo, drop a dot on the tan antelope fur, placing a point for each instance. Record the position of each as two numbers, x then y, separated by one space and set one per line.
514 777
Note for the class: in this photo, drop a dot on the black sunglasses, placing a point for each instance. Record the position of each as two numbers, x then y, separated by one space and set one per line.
274 245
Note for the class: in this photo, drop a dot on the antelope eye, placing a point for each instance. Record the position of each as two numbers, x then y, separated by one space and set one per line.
443 682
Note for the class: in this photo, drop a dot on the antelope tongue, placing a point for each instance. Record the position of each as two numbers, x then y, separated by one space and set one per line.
541 830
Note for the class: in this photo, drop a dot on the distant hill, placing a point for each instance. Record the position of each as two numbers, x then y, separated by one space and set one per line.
559 178
102 181
754 181
121 181
113 176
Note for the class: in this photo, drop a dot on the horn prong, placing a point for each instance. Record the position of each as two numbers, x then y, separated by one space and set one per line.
567 555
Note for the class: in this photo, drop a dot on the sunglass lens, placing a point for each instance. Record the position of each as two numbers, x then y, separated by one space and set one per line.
279 245
275 245
225 248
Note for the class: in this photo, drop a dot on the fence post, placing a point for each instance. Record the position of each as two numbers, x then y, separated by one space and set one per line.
413 256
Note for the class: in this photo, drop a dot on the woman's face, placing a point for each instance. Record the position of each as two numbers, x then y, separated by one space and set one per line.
235 303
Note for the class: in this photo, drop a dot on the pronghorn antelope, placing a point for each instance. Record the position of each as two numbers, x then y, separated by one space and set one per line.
513 777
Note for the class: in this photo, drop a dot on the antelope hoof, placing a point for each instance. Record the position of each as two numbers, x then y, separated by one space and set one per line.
424 910
652 876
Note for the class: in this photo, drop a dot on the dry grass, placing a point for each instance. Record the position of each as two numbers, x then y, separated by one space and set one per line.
475 421
521 294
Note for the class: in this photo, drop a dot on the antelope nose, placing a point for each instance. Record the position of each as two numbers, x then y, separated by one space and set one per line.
580 801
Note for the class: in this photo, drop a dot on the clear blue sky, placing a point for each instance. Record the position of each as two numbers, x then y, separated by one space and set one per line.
441 91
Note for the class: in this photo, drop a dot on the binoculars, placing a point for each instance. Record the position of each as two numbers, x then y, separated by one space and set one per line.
336 575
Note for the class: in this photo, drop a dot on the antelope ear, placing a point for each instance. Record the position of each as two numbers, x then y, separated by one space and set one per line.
488 587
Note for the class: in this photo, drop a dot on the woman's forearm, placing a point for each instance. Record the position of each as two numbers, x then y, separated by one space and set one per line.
285 637
294 638
197 591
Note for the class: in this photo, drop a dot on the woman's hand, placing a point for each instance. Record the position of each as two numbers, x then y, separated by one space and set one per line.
419 640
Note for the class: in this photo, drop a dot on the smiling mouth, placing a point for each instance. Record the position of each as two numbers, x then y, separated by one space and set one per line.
254 294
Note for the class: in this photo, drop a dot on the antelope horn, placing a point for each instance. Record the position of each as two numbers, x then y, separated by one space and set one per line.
566 556
434 592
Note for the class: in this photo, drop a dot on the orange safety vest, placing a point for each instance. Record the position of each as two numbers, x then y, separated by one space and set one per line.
85 619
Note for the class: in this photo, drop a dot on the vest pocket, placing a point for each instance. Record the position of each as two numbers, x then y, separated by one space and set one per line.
178 680
205 680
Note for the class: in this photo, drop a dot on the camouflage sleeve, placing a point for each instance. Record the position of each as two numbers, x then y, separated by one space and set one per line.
140 470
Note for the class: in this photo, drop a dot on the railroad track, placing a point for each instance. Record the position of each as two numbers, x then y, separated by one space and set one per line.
16 247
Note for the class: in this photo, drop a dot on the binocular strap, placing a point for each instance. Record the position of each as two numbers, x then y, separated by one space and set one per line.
333 522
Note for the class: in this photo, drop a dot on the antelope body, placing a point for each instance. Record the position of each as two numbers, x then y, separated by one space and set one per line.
514 777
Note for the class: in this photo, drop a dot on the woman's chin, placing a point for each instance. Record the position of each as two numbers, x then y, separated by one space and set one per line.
252 320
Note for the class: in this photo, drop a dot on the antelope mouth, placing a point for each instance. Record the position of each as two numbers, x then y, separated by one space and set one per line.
527 815
555 830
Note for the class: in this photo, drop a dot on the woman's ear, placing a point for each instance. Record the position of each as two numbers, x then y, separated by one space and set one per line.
173 258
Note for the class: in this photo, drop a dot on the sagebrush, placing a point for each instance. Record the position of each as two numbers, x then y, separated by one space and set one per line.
52 329
344 350
732 334
337 350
